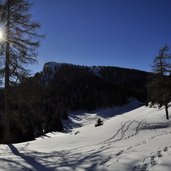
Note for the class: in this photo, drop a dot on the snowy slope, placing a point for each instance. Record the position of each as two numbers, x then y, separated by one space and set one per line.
137 140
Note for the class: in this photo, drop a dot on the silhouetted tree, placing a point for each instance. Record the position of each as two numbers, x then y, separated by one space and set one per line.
20 48
159 88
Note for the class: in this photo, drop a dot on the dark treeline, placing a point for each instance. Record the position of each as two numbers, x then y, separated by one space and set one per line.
39 103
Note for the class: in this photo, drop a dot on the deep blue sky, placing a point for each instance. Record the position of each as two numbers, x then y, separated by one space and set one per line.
124 33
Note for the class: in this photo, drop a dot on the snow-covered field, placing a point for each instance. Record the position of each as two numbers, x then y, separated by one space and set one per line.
137 140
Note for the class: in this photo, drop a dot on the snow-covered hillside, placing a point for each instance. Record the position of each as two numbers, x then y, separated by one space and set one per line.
137 140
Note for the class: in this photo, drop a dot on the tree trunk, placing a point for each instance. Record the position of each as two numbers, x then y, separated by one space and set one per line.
166 109
7 84
7 110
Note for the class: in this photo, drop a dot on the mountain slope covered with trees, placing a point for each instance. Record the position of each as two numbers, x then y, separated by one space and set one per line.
42 101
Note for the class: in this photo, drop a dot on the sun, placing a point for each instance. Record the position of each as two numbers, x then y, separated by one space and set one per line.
2 34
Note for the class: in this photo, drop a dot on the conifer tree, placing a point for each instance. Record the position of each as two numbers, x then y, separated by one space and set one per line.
160 85
21 41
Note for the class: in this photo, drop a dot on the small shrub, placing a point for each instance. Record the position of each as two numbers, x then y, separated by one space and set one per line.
99 122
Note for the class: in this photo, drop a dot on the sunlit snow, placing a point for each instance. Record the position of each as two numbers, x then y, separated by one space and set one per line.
137 140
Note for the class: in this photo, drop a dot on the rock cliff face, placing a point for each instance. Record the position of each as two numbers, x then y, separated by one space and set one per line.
49 70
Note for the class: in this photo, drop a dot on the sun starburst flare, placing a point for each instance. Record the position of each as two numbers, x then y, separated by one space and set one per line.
2 33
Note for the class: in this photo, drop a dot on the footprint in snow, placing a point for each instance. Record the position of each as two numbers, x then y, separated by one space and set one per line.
153 137
165 149
119 153
159 154
144 167
137 144
77 132
152 160
105 161
129 148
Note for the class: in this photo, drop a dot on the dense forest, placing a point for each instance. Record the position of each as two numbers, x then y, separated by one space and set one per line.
42 101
